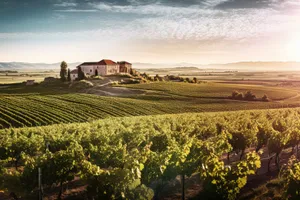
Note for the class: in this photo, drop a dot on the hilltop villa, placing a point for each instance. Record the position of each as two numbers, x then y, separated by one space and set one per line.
103 68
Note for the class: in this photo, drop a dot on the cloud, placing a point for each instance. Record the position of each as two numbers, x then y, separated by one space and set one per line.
66 4
183 25
163 22
256 4
76 10
151 9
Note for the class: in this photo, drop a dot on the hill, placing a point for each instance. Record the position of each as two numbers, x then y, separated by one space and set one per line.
22 106
259 66
32 66
138 152
247 66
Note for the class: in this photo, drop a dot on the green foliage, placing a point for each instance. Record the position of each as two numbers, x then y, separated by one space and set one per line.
291 177
69 75
120 158
63 71
265 98
225 182
249 96
237 95
54 103
81 74
83 84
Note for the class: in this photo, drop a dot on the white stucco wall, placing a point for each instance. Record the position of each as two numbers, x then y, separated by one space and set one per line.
88 69
102 69
73 76
113 69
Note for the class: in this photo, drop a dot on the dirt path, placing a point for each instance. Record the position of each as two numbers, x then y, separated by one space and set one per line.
290 98
106 89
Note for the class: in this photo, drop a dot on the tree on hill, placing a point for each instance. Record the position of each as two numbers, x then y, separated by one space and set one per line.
249 96
63 71
195 80
69 75
81 74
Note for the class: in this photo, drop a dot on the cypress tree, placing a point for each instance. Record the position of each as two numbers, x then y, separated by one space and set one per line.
69 75
63 71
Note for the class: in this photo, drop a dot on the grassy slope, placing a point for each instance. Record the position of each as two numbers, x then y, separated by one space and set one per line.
39 105
214 90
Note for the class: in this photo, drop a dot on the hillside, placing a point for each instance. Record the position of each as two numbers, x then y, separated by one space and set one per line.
37 105
138 152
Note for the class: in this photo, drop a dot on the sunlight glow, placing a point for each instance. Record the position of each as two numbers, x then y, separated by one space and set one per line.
293 49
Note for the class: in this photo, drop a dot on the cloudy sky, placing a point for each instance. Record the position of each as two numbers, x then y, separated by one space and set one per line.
153 31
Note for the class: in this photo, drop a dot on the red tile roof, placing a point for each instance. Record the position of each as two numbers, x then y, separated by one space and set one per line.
106 62
101 62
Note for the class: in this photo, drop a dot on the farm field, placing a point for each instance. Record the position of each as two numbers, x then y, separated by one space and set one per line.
22 106
227 75
138 151
9 78
215 90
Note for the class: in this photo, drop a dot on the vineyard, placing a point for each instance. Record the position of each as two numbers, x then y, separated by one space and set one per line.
39 106
214 90
135 157
36 110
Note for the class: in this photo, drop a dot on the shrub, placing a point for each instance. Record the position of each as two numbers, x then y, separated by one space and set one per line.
240 96
249 96
172 78
134 81
81 74
134 72
83 84
237 95
98 77
265 98
234 94
291 176
195 80
115 83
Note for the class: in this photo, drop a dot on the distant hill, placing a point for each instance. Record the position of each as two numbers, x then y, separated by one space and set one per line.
241 66
252 66
32 66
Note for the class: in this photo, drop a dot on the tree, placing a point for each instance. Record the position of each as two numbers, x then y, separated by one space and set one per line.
63 71
81 74
265 98
69 75
249 96
195 80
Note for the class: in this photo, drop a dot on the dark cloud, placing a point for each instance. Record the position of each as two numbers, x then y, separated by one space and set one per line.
147 2
239 4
